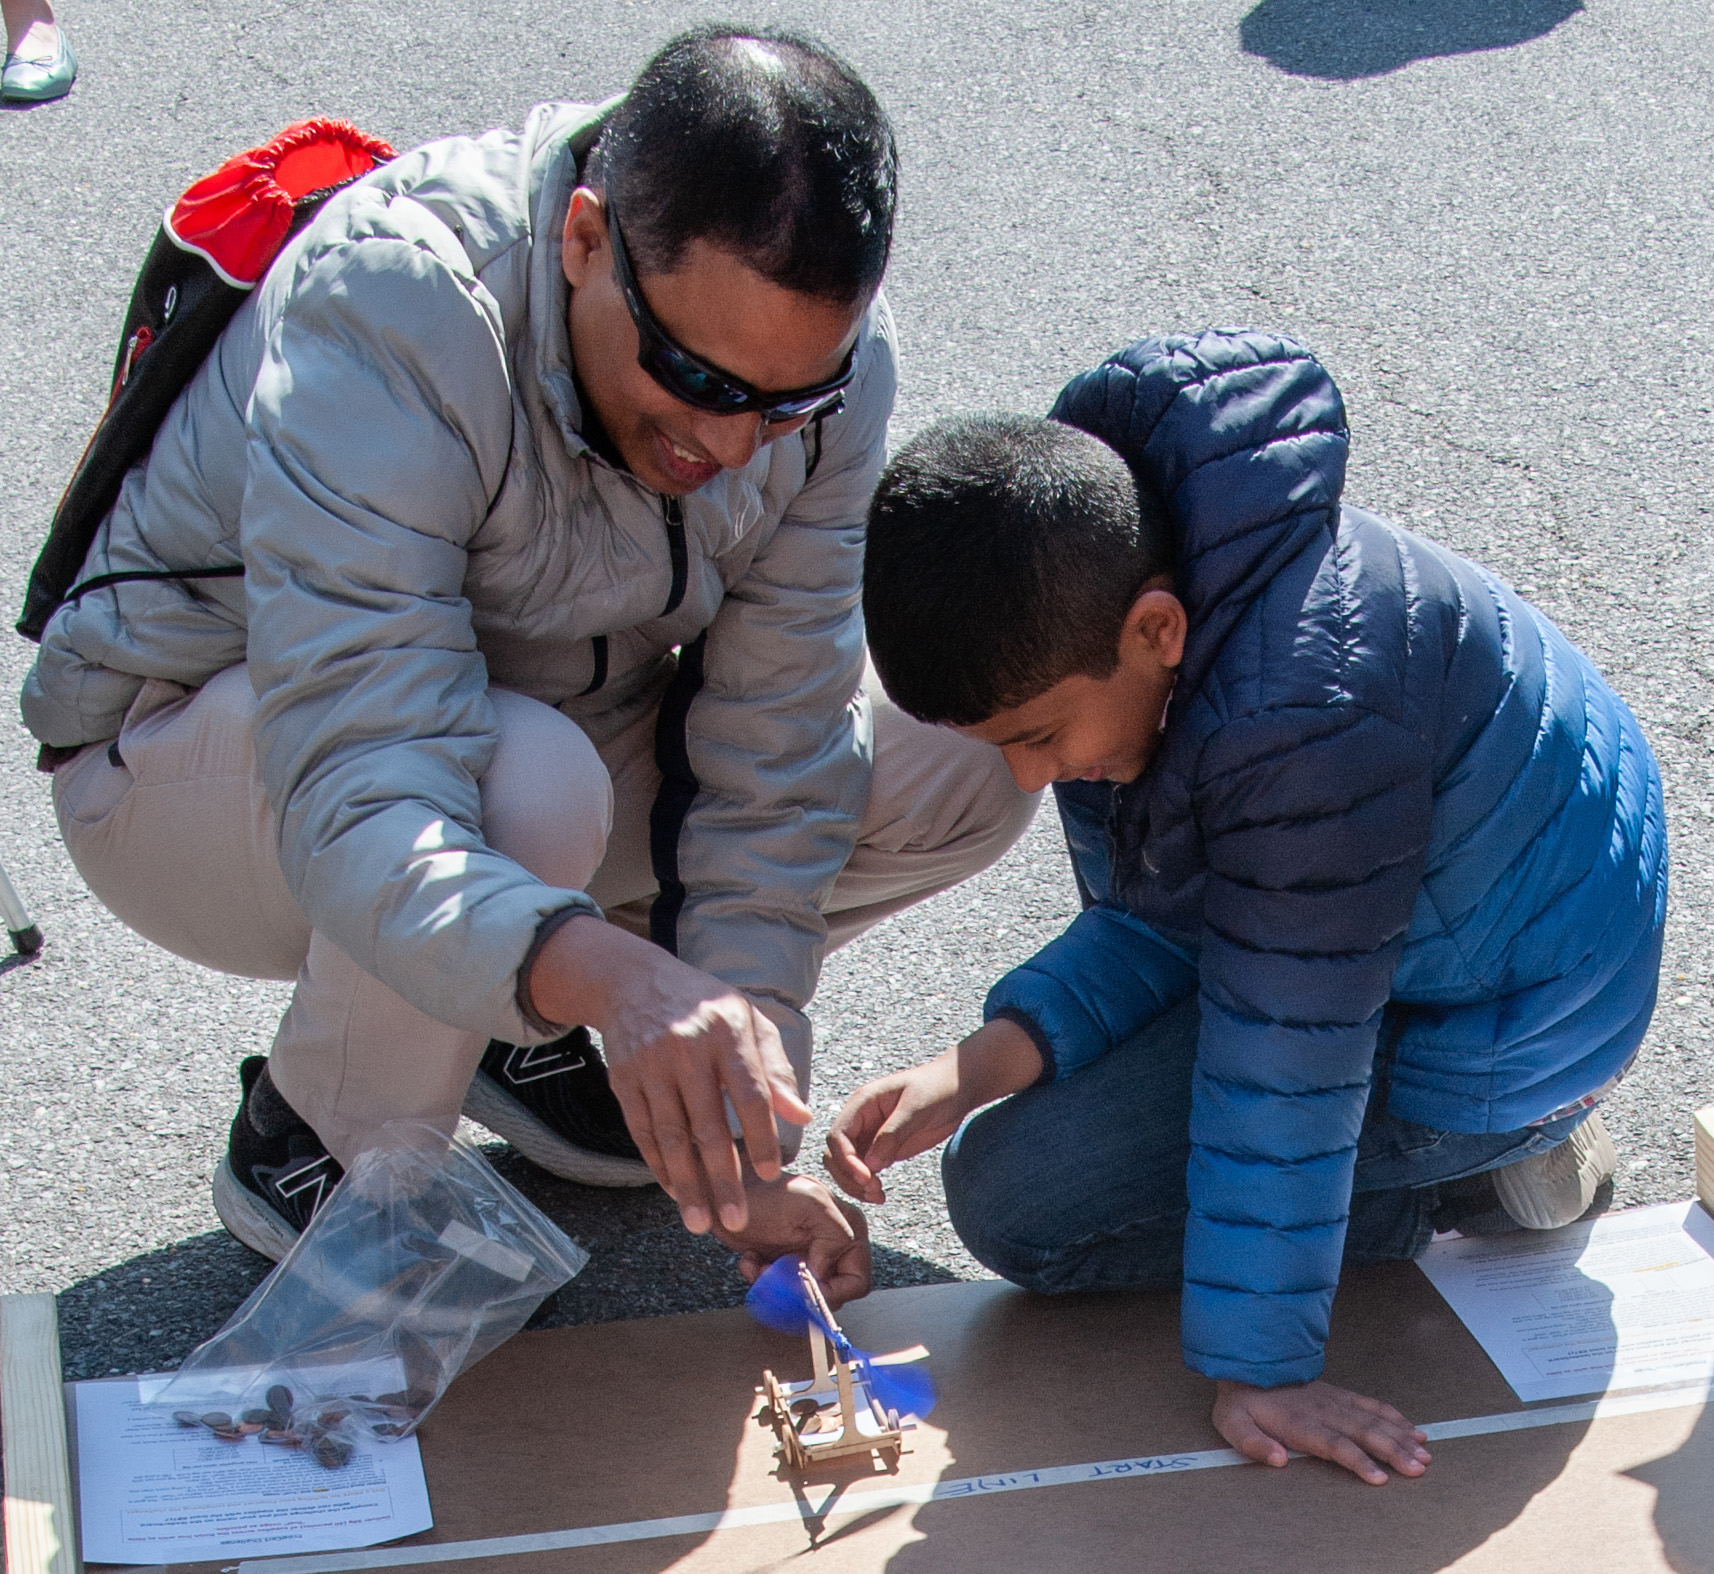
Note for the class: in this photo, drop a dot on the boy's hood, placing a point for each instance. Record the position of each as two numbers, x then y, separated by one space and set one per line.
1242 436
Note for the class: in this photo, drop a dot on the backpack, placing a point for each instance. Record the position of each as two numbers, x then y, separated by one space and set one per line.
213 247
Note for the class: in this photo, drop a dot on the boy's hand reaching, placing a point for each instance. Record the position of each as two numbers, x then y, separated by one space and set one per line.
1317 1418
899 1116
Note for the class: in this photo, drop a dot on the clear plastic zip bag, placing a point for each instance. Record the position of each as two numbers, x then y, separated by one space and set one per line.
421 1262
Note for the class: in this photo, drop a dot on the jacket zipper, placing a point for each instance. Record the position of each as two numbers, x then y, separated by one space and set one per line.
598 646
673 512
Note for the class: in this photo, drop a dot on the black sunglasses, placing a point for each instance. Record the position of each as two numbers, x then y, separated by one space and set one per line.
688 377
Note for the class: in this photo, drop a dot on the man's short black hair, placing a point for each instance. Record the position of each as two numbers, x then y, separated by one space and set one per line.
1004 552
763 143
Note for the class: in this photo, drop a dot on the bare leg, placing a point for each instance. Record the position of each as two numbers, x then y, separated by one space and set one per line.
30 30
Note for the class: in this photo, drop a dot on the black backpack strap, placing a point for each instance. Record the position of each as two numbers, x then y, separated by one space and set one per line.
195 277
178 309
102 581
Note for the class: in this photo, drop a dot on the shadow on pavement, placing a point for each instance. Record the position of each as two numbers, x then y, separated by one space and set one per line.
643 1263
1342 40
147 1313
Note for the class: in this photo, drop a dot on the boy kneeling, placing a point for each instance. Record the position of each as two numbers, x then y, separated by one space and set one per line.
1374 912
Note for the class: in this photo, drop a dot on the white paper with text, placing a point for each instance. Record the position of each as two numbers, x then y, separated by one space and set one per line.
152 1491
1623 1301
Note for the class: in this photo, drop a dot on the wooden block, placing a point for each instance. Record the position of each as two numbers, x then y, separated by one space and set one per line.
41 1536
1705 1157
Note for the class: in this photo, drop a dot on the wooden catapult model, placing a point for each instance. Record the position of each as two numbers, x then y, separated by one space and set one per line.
834 1415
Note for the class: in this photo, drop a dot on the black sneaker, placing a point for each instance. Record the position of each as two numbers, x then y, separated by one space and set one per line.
268 1188
553 1103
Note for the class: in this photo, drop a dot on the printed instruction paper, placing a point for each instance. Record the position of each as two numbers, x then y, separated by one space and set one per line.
1623 1301
153 1491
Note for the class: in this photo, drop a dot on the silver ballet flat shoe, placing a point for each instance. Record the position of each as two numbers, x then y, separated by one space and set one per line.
32 82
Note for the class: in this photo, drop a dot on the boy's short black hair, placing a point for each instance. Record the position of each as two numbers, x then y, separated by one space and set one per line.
763 143
1003 555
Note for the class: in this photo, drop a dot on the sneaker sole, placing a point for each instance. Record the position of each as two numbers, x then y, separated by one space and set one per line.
248 1218
1556 1188
492 1106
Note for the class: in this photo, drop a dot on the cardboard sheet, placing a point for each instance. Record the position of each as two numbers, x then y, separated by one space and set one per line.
611 1425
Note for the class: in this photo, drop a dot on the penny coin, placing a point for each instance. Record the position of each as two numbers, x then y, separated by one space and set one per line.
331 1452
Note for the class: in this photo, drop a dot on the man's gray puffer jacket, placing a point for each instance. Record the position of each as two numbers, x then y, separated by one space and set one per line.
387 437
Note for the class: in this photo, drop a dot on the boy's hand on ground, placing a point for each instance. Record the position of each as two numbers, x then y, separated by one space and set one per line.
899 1116
1317 1418
797 1215
679 1044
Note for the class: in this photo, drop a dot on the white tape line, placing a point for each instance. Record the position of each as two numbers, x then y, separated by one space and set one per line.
839 1504
1585 1410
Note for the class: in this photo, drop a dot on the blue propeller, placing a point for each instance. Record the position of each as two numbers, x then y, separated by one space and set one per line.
778 1300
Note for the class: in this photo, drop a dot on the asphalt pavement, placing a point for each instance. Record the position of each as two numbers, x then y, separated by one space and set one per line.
1491 220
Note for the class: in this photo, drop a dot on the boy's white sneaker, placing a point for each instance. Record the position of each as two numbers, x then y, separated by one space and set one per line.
1554 1188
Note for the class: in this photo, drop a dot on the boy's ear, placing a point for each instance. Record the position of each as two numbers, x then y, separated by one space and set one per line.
1158 623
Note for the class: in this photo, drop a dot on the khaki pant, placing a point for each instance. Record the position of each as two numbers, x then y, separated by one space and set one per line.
177 838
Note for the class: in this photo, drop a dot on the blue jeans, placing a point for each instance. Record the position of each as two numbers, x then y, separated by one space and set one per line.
1080 1185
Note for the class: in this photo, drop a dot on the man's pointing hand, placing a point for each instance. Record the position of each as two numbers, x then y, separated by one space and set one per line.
679 1044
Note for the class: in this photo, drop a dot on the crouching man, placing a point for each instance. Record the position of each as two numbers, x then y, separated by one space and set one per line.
539 704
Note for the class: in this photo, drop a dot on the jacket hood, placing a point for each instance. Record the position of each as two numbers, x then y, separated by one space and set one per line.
1242 437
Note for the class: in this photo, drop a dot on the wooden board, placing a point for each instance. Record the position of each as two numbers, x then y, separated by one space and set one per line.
41 1536
1705 1157
610 1425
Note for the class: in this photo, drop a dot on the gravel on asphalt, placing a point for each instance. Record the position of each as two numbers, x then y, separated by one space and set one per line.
1493 222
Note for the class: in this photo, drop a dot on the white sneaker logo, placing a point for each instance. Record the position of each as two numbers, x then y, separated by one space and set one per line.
293 1182
538 1061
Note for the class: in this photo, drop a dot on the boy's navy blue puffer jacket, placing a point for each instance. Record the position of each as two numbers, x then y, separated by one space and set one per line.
1386 782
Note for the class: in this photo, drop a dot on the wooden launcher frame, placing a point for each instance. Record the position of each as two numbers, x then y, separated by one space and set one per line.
864 1427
